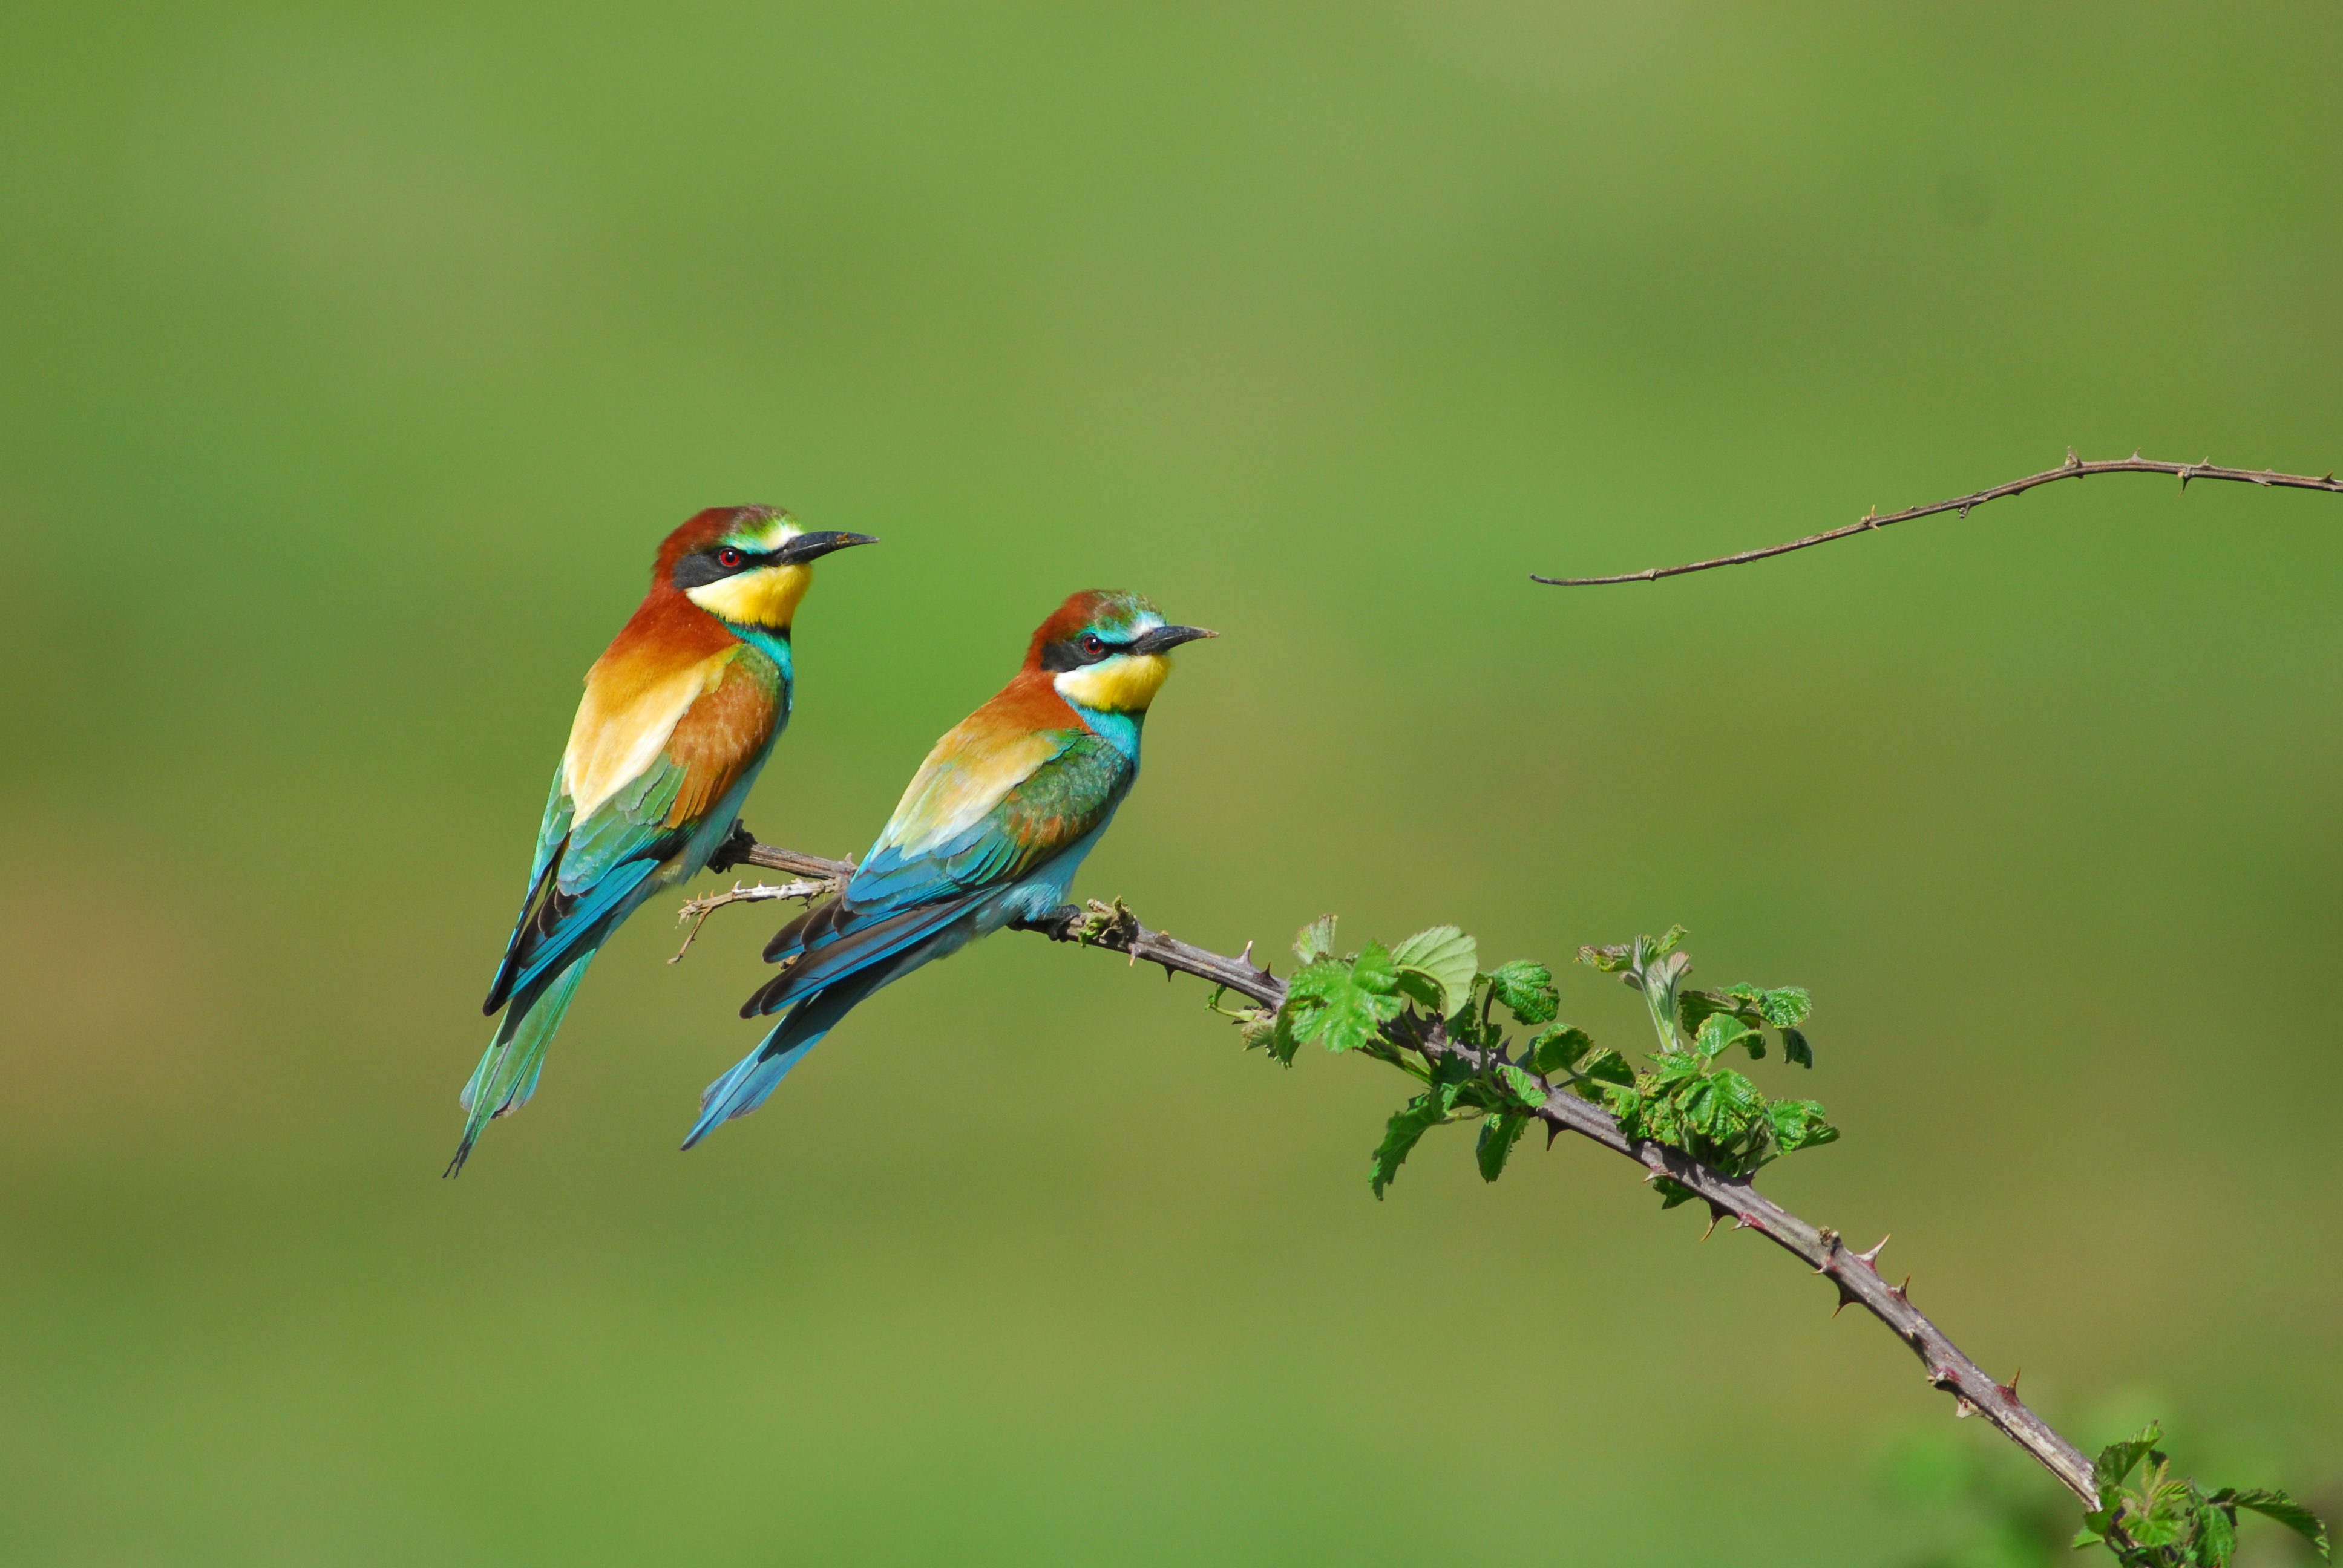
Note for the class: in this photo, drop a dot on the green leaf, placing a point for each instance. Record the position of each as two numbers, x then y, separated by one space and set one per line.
1351 1001
1419 1116
1520 1086
1315 941
1498 1136
2118 1460
1424 991
2277 1506
2216 1537
1668 941
1697 1103
1527 990
1552 1049
1257 1027
1785 1008
1282 1041
1467 1030
1609 960
1799 1124
1718 1033
2166 1521
1796 1049
1447 955
1693 1007
1738 1096
1608 1066
1671 1192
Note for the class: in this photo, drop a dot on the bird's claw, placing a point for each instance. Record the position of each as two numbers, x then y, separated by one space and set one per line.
735 847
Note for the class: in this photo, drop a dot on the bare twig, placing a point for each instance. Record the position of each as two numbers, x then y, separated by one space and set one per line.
1855 1275
697 910
2074 467
816 878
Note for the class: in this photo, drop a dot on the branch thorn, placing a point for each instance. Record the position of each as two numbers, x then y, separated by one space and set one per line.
1872 1257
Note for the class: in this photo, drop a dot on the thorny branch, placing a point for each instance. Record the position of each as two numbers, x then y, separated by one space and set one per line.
816 879
697 910
1856 1275
2074 467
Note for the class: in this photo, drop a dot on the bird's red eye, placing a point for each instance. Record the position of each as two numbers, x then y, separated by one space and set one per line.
727 558
1093 645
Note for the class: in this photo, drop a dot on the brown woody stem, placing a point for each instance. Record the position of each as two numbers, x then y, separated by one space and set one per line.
2074 467
1855 1275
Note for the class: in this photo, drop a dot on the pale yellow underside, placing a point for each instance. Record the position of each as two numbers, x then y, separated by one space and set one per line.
953 792
766 597
617 735
1126 683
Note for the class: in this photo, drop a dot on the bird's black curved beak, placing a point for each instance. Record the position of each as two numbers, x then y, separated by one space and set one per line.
1167 637
809 546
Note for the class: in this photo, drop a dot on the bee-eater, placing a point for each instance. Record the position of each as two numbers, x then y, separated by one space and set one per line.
679 714
991 831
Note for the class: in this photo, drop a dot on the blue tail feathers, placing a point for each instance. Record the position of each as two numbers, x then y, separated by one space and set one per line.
755 1077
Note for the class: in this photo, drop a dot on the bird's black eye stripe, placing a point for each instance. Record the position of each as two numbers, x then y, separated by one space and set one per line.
1069 653
704 567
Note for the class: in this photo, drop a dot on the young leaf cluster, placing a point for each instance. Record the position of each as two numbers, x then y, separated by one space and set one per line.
2170 1522
1686 1098
1410 1004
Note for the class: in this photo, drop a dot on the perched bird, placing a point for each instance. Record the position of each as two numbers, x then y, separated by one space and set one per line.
991 831
680 713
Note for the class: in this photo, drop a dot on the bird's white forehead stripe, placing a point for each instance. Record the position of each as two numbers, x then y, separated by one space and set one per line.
777 532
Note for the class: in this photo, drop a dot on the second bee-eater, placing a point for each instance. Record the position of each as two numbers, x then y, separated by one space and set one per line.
991 829
679 714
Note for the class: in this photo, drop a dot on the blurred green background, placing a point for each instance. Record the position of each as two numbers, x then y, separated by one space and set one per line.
353 361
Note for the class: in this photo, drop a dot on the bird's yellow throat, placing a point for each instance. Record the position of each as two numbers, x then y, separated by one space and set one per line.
766 597
1126 683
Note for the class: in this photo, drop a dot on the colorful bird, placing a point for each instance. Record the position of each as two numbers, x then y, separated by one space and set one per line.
991 831
680 713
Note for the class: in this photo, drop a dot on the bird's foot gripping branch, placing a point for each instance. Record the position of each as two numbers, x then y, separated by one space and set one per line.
1701 1130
